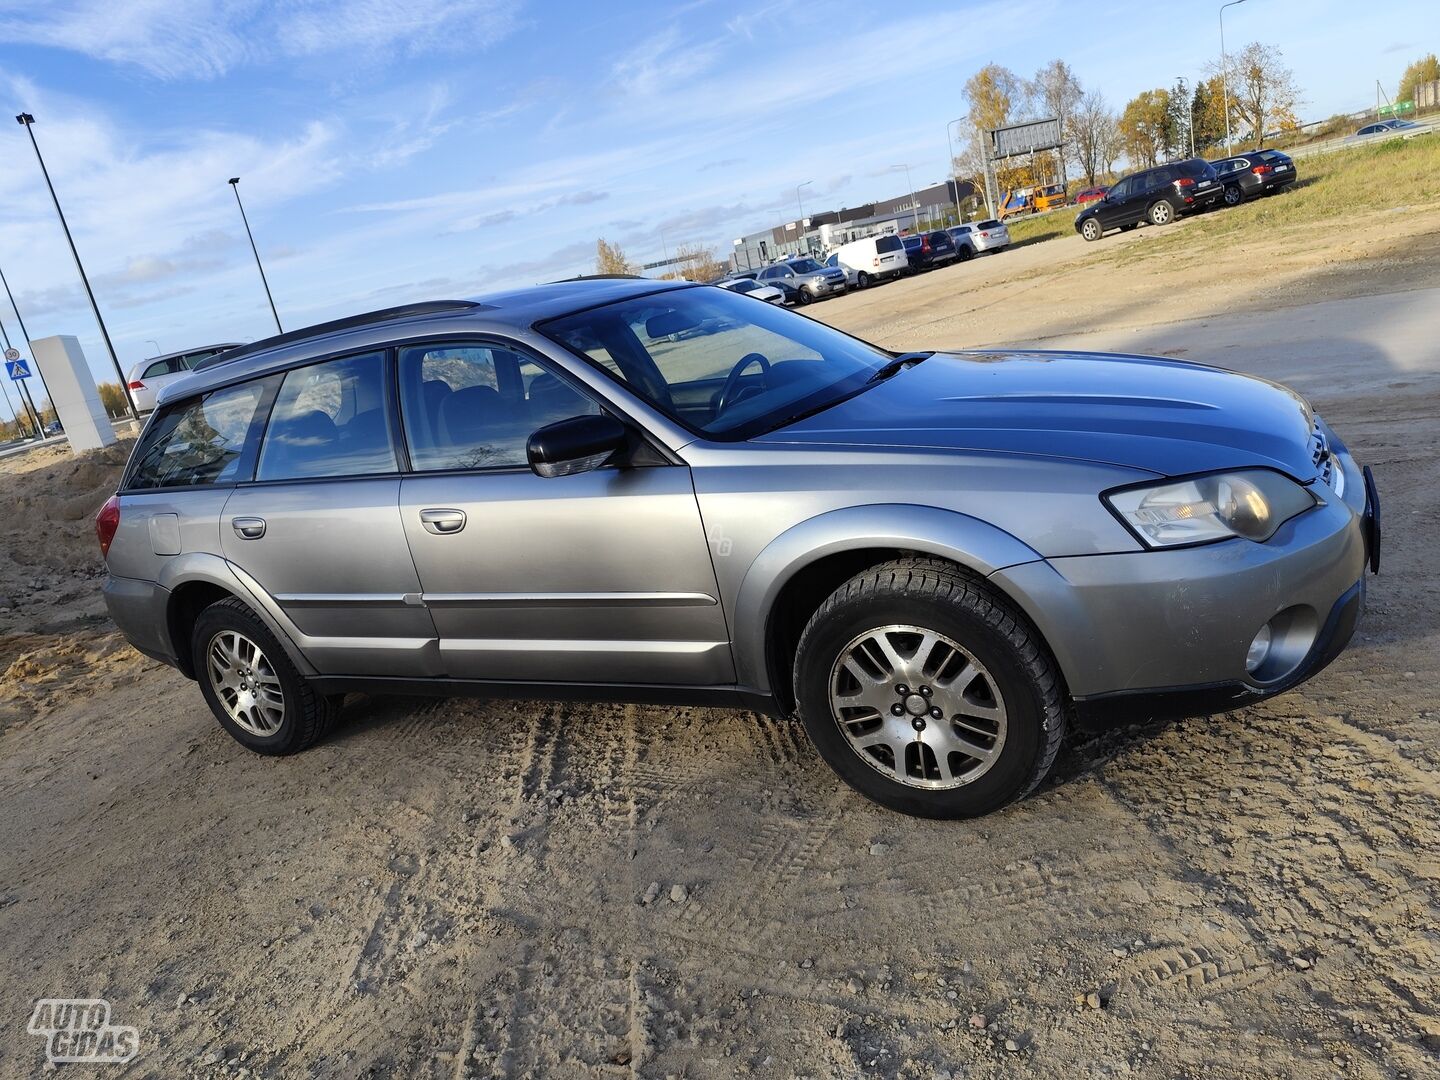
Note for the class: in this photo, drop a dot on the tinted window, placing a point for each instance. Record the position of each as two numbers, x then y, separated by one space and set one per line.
1122 189
158 368
1167 175
992 224
330 419
475 407
201 441
885 244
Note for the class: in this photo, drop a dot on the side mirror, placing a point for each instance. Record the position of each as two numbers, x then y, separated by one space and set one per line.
576 445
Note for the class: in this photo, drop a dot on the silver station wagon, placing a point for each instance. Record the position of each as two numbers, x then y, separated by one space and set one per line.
629 490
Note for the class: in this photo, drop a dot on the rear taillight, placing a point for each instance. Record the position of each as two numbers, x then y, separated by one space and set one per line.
1184 182
106 522
1261 170
986 235
137 385
925 244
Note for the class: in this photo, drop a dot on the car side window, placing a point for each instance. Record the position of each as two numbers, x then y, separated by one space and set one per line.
476 406
155 370
330 419
200 441
1121 190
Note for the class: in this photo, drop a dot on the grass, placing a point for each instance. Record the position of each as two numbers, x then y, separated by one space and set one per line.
1034 230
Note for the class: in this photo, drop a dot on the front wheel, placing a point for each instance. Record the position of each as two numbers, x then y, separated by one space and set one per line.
966 253
927 692
251 685
802 297
862 280
1162 213
1234 196
1091 229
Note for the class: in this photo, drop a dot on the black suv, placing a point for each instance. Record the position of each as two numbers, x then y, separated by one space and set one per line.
1157 195
1259 172
929 250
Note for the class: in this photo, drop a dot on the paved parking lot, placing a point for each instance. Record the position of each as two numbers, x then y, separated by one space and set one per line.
516 888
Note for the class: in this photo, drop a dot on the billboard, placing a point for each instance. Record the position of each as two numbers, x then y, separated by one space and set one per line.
1026 138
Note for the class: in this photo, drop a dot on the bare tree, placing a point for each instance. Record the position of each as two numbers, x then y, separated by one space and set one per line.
696 263
1263 93
1091 135
1055 91
609 259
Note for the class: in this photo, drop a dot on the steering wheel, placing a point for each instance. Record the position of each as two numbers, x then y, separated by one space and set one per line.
732 381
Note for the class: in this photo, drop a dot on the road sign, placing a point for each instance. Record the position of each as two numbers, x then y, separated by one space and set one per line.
18 369
12 354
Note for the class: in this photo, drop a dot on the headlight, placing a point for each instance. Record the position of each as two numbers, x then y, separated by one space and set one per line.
1251 504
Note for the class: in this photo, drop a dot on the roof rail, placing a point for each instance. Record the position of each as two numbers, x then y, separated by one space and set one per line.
350 322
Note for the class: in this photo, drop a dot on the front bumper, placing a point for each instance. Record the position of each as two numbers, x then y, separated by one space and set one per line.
1181 621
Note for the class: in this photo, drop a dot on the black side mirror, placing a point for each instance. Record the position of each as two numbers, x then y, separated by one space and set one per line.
576 445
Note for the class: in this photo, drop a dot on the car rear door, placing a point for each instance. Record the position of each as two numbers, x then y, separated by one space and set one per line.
319 531
596 577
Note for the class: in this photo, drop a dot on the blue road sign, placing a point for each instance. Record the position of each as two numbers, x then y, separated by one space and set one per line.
19 369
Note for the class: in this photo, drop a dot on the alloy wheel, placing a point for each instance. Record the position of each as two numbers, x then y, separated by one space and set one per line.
245 682
917 707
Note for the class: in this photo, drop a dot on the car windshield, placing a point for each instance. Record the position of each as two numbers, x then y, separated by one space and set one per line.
724 365
804 266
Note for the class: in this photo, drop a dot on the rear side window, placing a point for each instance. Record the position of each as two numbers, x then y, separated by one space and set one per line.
992 224
886 244
330 419
475 407
200 441
161 367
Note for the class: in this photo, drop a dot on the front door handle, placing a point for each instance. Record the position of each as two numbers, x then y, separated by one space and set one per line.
248 528
442 522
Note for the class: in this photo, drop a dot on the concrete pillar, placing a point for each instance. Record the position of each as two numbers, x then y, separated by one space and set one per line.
73 392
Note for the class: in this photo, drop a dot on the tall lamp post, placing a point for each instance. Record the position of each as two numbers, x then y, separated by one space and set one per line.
914 202
954 179
235 186
1225 72
27 121
799 205
25 334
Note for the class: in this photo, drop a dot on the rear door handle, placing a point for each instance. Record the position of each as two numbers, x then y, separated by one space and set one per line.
442 522
248 528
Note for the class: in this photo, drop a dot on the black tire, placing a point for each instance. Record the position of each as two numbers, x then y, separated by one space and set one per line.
307 714
1234 195
966 253
1160 213
1132 225
936 595
802 297
1091 229
862 280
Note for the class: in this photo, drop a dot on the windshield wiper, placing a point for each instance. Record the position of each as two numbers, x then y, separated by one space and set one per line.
899 364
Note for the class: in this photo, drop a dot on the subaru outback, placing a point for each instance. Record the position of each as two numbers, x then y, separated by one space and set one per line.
629 490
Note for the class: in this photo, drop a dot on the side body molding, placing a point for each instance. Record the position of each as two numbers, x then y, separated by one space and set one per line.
929 530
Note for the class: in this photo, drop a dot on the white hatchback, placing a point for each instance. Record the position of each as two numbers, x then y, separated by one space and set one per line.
149 376
979 237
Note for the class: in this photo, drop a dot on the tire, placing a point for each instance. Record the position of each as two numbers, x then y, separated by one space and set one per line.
1132 225
802 297
985 659
1091 230
862 280
1234 195
966 253
1161 213
233 629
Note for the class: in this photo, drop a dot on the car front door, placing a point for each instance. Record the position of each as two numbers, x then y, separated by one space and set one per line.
596 577
1113 209
319 531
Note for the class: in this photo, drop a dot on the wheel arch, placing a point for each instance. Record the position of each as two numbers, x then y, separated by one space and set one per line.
797 570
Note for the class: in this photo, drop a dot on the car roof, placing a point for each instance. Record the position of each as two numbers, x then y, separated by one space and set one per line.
507 312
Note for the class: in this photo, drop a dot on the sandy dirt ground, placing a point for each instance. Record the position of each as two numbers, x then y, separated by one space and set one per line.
469 888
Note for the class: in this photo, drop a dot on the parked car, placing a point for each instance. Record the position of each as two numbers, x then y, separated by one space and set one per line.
750 287
929 250
873 259
1157 195
978 237
1259 172
808 278
933 558
54 427
852 275
1090 194
1400 129
149 377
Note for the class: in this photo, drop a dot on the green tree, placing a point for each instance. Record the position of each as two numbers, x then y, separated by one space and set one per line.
1207 107
1145 128
1424 70
609 259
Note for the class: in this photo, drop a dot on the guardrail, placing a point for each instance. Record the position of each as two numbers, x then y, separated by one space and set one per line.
1350 142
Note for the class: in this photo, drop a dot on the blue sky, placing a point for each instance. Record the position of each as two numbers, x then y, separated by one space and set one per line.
393 151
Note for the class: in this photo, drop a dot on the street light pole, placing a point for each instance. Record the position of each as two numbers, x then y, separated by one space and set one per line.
31 416
1225 72
914 202
24 334
26 121
954 178
235 186
800 225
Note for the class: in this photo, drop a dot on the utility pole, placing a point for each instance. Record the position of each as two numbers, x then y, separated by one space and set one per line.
27 121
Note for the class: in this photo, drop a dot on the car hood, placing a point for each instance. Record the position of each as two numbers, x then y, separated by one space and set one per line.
1164 416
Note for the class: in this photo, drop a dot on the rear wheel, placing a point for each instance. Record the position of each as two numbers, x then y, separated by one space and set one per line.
966 253
250 684
1234 196
927 692
862 280
1091 230
1162 213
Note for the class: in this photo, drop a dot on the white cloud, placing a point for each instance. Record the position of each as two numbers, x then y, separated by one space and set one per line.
203 39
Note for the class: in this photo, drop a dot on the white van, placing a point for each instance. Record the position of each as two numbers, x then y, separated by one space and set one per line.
874 258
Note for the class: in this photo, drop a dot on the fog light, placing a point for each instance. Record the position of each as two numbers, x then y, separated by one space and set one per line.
1259 650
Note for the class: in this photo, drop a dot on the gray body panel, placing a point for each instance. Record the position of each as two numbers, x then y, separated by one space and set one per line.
669 575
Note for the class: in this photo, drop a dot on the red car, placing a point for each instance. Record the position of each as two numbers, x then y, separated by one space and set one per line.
1089 195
